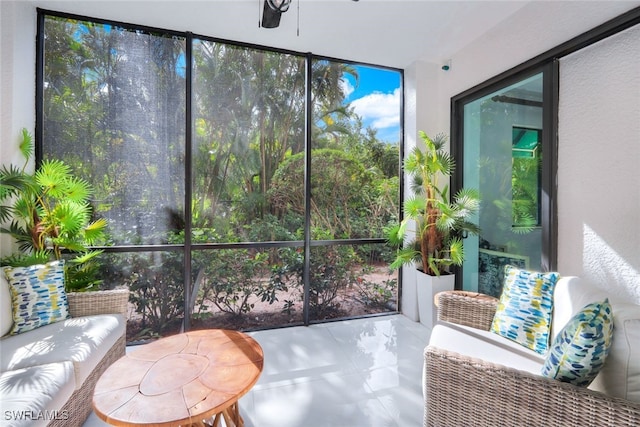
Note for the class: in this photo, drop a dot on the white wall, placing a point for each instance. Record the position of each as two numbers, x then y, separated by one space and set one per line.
599 164
17 75
17 84
532 30
599 222
420 113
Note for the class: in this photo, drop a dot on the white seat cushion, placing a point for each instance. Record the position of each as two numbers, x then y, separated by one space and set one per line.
485 345
34 396
82 340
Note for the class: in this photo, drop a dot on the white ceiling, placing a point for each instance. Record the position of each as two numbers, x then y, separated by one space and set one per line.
392 33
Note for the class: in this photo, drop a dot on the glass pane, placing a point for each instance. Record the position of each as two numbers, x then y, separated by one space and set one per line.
155 280
242 289
351 280
248 133
503 159
526 177
355 154
114 110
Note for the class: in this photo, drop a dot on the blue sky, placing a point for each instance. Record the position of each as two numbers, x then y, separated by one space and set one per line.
377 100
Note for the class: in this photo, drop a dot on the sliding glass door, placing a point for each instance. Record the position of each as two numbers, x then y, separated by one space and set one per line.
505 139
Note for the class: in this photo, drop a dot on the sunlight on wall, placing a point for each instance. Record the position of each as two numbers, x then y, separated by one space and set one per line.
605 267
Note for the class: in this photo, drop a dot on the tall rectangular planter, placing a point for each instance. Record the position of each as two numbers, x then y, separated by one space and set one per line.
427 287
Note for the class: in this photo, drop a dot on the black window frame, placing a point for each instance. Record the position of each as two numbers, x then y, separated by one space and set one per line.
547 63
188 246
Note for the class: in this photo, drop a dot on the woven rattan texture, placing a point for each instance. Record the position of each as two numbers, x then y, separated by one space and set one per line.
101 302
467 308
461 391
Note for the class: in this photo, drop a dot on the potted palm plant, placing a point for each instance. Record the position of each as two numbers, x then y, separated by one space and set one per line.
441 223
48 214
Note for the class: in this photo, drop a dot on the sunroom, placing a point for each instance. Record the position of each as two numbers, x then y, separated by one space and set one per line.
248 174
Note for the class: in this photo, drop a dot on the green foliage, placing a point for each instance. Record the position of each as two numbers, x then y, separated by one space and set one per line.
524 197
440 224
348 200
115 114
272 228
377 295
83 271
26 145
50 215
12 180
332 270
156 284
231 279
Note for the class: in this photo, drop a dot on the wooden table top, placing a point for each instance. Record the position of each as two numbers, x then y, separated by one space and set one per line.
179 380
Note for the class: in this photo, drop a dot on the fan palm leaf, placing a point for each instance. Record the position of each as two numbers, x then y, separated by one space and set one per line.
49 215
52 177
440 223
95 230
26 145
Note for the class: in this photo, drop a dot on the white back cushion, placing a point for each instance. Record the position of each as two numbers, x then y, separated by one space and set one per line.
6 313
620 376
569 297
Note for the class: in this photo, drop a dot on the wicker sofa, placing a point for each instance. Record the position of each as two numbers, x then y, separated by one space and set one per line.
473 377
47 375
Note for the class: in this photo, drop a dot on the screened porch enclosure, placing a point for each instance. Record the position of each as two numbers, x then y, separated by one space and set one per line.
241 185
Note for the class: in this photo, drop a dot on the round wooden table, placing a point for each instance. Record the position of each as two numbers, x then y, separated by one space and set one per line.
195 378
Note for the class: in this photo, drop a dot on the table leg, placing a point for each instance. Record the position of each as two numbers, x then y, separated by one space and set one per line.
231 416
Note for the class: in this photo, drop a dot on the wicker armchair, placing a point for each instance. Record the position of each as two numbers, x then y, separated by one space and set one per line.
101 302
78 407
462 391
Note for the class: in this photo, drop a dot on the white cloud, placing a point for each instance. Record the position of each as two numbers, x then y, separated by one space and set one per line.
379 110
347 87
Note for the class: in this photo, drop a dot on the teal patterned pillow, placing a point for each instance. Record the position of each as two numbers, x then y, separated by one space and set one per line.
581 348
37 295
524 310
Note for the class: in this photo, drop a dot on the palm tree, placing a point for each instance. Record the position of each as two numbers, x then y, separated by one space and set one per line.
440 224
49 214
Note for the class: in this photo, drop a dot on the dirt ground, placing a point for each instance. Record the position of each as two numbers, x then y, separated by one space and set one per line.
348 303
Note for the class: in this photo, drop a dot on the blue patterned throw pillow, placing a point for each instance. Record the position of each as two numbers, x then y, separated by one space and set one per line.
581 348
524 310
37 295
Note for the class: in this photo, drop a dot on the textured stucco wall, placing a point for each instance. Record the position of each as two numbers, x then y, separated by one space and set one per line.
599 140
599 164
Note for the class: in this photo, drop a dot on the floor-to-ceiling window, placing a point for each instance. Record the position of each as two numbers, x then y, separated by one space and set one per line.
506 143
353 185
244 186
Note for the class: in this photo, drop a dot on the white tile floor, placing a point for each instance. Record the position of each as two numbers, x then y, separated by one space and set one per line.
355 373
